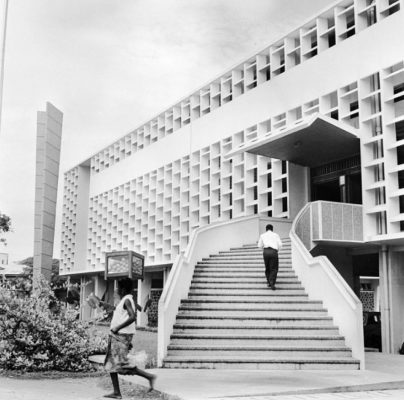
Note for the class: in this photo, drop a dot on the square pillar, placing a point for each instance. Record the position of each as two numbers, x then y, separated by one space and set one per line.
397 299
87 287
392 299
143 292
100 286
385 299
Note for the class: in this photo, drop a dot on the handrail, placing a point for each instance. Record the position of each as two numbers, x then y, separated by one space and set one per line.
204 241
323 282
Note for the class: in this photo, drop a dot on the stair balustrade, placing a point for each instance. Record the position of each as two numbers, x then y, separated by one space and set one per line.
320 222
326 221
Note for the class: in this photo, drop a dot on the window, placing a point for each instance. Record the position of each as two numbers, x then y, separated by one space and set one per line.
284 204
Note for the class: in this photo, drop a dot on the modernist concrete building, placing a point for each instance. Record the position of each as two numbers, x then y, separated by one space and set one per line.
309 131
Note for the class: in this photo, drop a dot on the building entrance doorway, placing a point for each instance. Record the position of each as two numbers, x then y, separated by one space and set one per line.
367 288
339 181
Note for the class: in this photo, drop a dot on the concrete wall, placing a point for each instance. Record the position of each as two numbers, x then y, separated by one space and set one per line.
350 60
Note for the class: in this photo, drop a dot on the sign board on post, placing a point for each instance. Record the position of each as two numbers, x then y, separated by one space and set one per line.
124 263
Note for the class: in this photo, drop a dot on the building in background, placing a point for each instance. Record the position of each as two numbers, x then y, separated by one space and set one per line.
49 134
3 259
316 118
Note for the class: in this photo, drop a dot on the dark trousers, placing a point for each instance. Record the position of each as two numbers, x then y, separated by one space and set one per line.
271 261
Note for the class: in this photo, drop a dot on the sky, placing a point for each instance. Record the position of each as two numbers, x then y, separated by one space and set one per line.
110 66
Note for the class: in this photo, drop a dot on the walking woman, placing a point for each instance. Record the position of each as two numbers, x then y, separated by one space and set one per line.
120 340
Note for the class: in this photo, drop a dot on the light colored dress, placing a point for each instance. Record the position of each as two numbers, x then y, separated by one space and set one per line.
119 344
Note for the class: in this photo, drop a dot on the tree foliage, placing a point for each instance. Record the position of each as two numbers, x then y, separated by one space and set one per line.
38 334
5 225
23 283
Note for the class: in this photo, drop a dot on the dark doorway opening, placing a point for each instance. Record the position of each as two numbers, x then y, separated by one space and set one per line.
338 181
326 190
367 288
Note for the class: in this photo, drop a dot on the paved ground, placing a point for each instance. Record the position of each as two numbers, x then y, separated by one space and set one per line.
50 389
383 374
373 395
71 389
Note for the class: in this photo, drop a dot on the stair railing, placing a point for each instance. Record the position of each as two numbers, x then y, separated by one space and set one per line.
323 282
203 242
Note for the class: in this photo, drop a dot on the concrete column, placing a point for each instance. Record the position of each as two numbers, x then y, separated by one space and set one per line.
385 300
397 299
100 285
166 273
143 291
86 288
49 135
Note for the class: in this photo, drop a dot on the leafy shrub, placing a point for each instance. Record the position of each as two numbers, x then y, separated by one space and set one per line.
37 334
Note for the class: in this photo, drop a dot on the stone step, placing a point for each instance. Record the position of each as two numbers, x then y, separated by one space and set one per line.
254 283
242 256
257 351
280 285
239 329
242 283
247 281
243 264
247 268
247 320
286 242
246 286
251 306
240 275
253 363
268 293
266 298
241 259
252 313
247 340
255 247
238 268
252 255
297 301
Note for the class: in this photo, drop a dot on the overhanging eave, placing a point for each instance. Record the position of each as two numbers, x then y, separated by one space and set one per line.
312 142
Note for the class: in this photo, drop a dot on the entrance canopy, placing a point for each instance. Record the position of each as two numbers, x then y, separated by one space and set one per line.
314 141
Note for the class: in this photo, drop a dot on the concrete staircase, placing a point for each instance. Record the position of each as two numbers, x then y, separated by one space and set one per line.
231 319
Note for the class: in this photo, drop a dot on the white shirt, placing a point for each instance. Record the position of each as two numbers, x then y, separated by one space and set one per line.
121 315
270 239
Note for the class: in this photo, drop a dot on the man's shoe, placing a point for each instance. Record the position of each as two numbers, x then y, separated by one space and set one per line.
268 284
273 287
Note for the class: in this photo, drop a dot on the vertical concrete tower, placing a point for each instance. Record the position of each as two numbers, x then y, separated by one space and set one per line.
49 135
